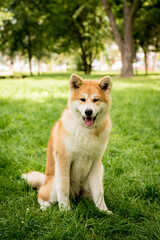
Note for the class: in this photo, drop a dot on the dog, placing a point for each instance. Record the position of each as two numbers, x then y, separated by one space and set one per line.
76 146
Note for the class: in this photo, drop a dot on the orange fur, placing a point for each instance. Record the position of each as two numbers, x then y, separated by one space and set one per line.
45 190
76 145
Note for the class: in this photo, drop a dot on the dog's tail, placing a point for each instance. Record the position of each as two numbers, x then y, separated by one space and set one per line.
35 179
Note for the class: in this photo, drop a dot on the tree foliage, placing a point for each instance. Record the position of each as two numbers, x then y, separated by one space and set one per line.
79 27
147 28
37 28
23 33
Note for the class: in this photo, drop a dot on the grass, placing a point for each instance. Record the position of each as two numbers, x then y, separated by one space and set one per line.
29 107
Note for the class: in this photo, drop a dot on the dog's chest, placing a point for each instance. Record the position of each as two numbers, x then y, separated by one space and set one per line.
83 147
80 168
83 144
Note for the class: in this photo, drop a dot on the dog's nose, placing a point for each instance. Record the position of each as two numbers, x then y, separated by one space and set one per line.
88 112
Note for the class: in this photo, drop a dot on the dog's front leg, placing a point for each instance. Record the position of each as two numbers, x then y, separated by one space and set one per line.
62 171
95 180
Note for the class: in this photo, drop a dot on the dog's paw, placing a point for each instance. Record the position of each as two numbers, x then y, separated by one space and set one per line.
43 204
103 208
64 207
109 212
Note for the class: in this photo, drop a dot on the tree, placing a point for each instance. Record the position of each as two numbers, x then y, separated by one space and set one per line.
123 34
89 31
147 29
23 32
39 27
77 26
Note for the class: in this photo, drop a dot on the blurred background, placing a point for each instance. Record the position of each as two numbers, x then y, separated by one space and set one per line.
121 36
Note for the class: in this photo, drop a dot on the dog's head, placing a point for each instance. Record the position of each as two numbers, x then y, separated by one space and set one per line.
89 100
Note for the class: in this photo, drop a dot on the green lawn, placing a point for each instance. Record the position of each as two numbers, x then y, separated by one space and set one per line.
28 109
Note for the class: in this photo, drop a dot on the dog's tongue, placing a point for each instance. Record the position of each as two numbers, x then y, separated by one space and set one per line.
88 122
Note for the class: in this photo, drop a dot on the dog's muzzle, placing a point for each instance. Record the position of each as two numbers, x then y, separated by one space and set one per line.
89 121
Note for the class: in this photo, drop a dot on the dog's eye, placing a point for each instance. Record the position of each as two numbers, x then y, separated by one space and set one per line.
95 100
83 99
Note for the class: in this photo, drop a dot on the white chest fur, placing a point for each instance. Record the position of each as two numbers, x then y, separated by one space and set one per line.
83 147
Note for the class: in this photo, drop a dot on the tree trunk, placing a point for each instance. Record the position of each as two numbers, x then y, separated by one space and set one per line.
85 55
30 55
146 61
30 63
127 63
87 67
39 71
124 42
127 47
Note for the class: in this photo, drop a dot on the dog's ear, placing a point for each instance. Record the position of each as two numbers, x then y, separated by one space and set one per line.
75 82
106 84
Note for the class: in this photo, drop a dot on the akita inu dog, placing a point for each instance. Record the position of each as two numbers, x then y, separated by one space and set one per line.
76 146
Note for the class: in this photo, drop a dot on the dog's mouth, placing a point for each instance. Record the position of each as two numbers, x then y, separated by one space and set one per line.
89 121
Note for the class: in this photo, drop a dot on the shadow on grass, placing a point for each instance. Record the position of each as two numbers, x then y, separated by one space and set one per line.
25 128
